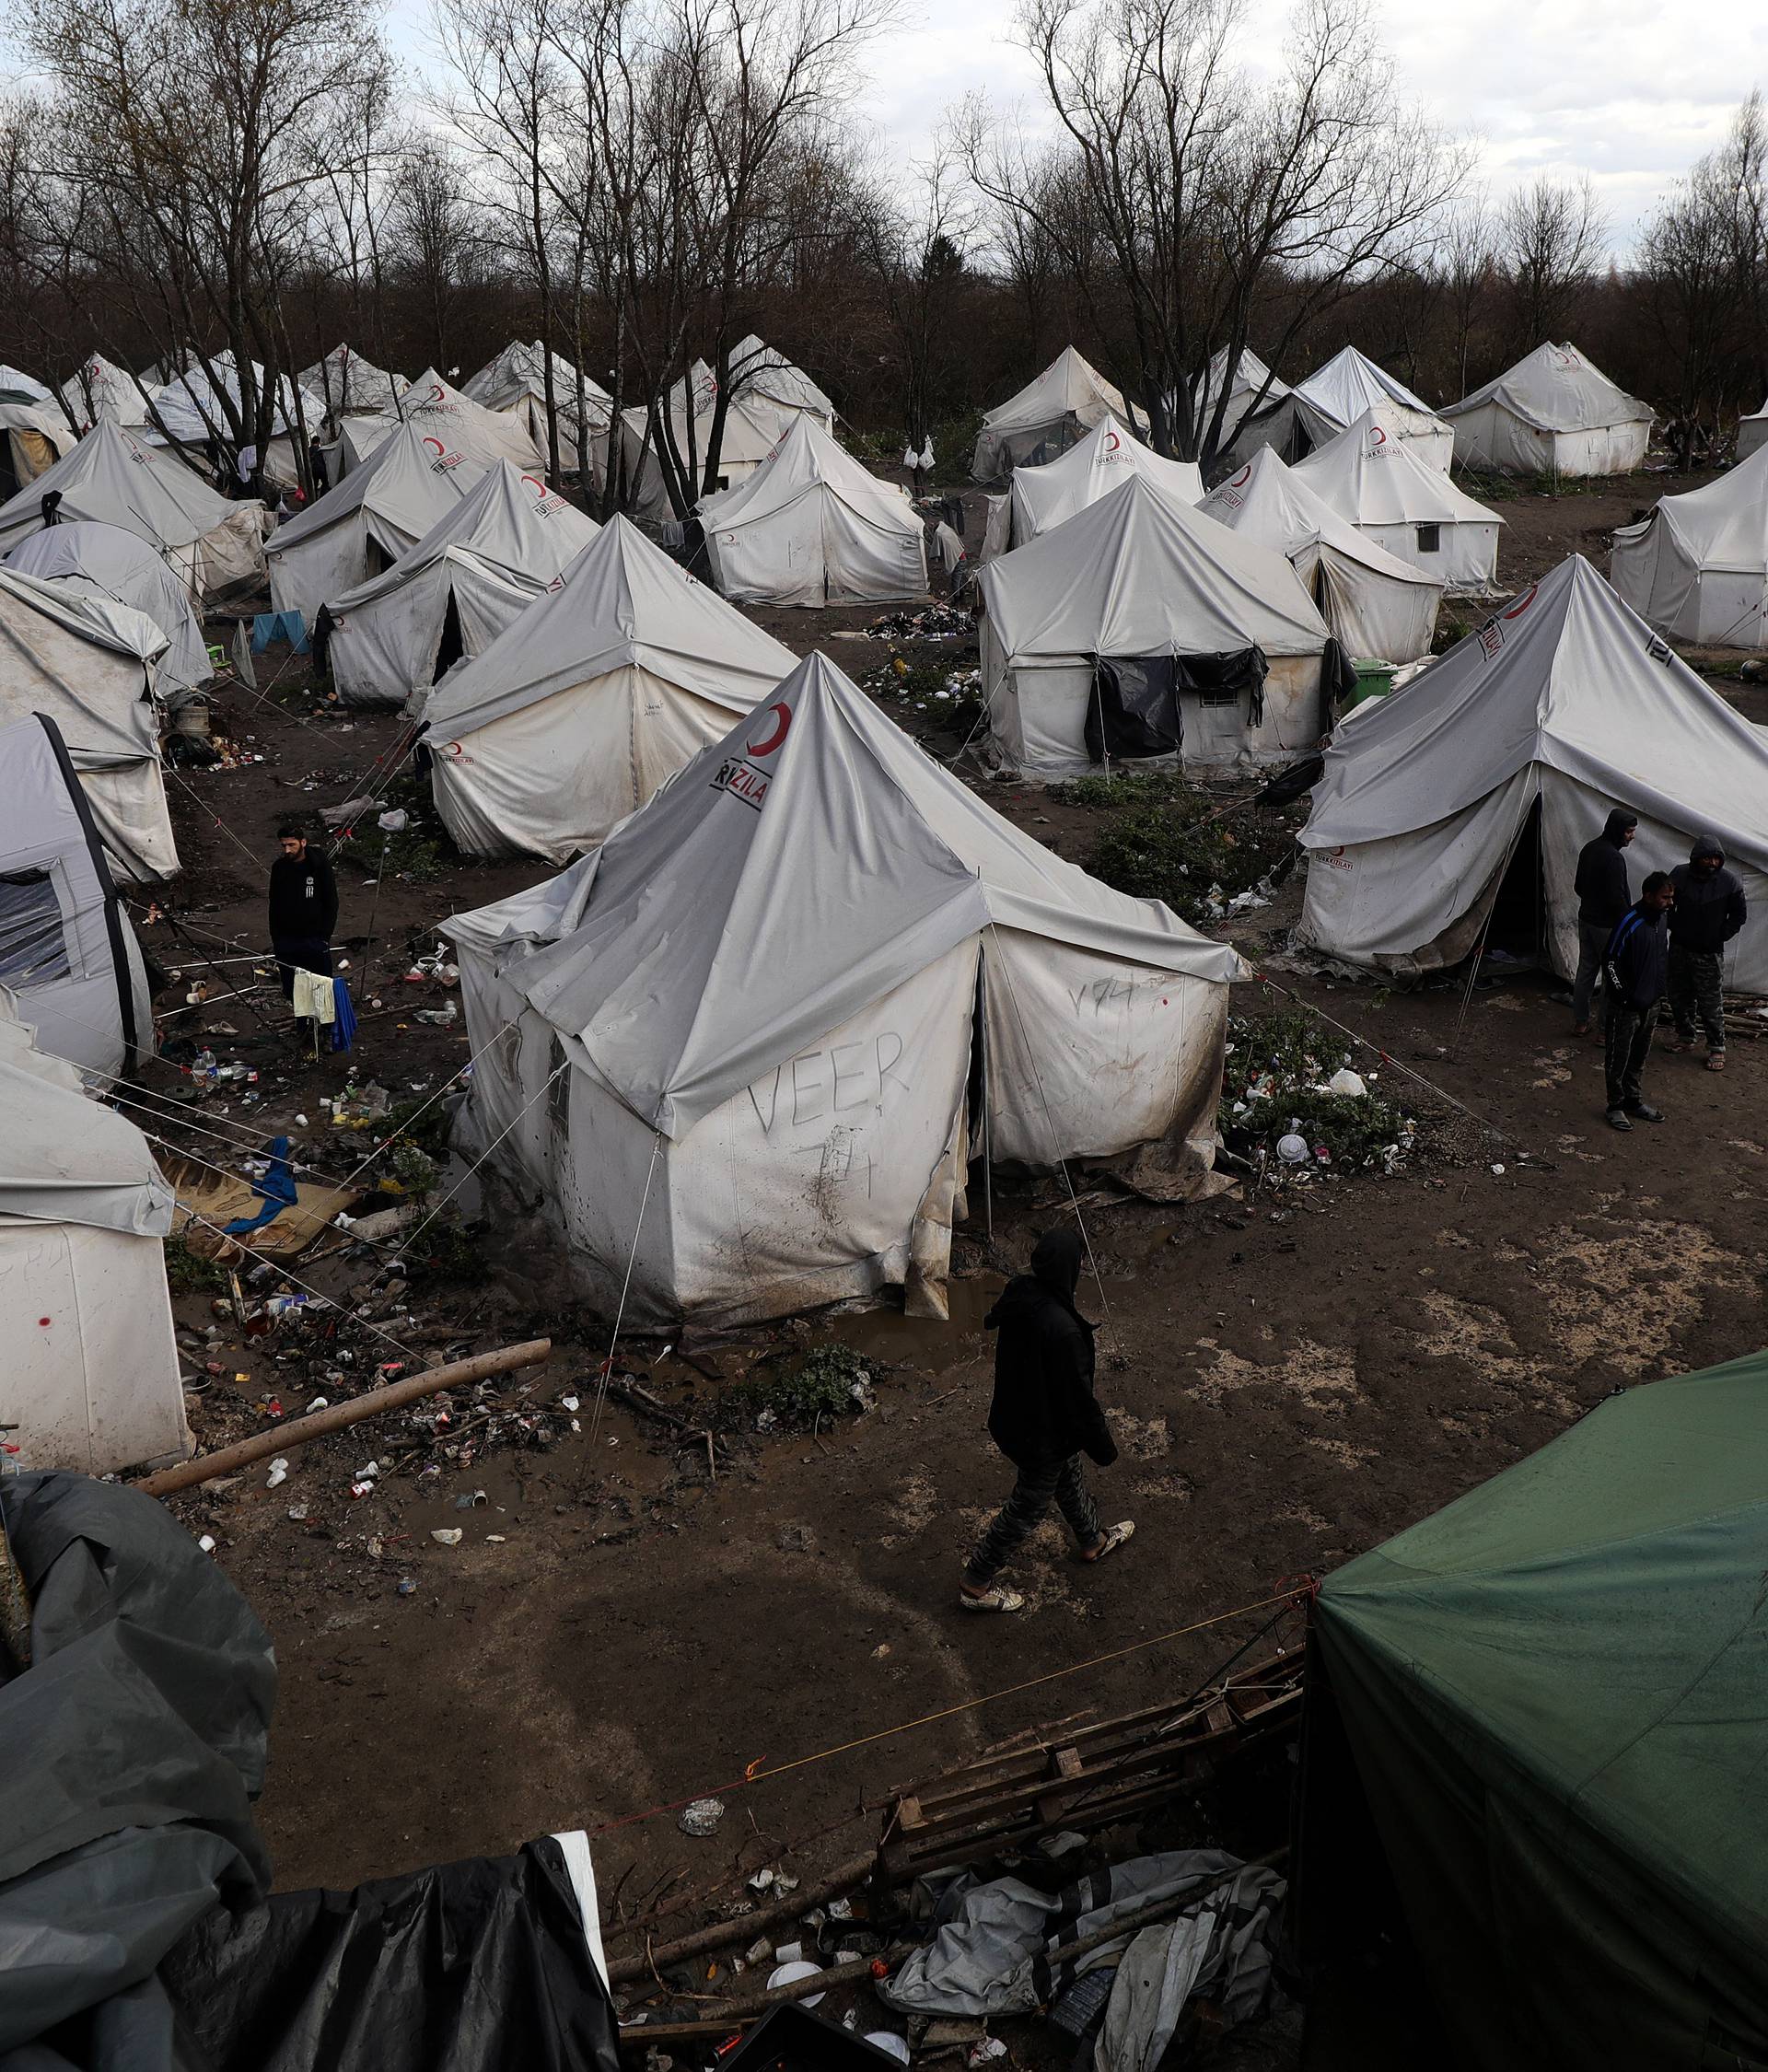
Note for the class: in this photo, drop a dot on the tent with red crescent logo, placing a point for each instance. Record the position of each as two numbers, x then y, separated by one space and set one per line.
362 525
1041 497
468 427
1377 605
1467 794
1697 566
1371 475
115 478
604 688
102 388
786 1002
516 380
1554 413
753 428
812 526
475 571
1046 416
1334 396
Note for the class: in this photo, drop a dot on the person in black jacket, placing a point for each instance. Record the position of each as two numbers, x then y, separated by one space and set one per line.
1603 896
1044 1418
1635 973
303 907
1710 909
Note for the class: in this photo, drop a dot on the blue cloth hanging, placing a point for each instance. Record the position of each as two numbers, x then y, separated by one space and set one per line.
277 1187
268 627
343 1023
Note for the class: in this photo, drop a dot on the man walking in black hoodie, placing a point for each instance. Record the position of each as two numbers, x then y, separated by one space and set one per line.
1044 1418
1602 898
1710 909
1634 977
303 907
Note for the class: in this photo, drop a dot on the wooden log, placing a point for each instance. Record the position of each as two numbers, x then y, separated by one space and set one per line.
721 1934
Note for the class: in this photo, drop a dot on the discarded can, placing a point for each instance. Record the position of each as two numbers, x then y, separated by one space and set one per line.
700 1817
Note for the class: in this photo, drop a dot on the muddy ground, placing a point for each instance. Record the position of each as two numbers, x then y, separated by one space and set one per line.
1293 1377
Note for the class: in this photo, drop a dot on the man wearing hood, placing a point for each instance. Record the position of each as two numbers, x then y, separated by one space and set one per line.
1709 910
1044 1418
1603 896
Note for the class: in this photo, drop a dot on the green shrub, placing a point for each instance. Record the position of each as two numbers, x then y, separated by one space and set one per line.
187 1273
1157 851
817 1386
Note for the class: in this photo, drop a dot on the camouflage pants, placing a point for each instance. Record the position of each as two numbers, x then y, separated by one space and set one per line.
1019 1517
1696 993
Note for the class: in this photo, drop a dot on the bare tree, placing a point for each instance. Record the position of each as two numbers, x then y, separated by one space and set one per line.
916 247
1467 256
437 248
1552 242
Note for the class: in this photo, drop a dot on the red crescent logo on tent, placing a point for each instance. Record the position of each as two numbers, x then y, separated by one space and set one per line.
437 391
1523 602
1112 442
777 737
441 449
537 481
1378 434
1242 476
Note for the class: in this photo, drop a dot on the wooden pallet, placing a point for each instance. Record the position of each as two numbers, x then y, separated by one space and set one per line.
1087 1779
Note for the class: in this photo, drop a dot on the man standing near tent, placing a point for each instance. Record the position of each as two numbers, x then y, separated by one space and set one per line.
1635 973
1603 896
303 907
1710 909
1044 1418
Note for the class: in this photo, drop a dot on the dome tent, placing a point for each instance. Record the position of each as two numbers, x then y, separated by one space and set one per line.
1376 605
906 934
1038 498
360 528
599 692
1554 413
91 1376
1696 567
108 561
1517 744
1135 595
812 527
116 479
1048 414
475 571
1371 475
1332 398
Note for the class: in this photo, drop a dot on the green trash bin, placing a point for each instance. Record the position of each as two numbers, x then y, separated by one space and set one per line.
1373 680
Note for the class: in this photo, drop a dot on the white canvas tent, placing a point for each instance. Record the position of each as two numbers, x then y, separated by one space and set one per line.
1048 414
106 561
1377 605
1251 386
472 573
1697 567
349 386
812 527
1136 577
115 478
33 437
1038 498
468 427
1370 474
756 1010
1752 433
90 1380
67 953
88 665
1554 413
358 529
604 688
102 388
1332 398
16 386
191 411
758 370
1512 750
753 428
516 380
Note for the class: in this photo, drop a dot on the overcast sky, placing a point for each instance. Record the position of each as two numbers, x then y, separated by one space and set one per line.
1629 90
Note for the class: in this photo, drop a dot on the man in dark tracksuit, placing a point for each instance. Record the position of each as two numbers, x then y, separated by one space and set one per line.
1044 1418
303 908
1603 896
1635 973
1710 909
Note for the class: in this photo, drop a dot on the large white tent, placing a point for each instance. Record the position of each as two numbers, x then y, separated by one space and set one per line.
102 388
1377 605
117 479
468 427
1554 413
516 380
604 688
349 386
192 410
1370 474
33 437
88 665
1041 497
812 527
358 529
752 428
758 370
475 571
1135 599
91 1379
1048 414
1332 398
1697 566
1510 752
67 953
1752 433
16 386
107 561
755 1010
1251 387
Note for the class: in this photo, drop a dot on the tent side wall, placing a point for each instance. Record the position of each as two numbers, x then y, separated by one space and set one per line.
998 453
385 653
1610 449
1465 557
1373 616
1493 438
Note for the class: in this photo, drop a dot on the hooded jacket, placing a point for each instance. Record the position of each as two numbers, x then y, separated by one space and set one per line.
1709 910
1636 969
1045 1409
1603 894
303 897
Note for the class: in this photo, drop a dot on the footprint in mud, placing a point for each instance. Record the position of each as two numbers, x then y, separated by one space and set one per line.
1139 1438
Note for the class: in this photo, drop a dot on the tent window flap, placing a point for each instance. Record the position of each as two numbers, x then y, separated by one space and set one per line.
33 944
1430 539
1135 708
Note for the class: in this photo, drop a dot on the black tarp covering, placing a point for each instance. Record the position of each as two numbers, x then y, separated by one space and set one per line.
1135 708
1337 682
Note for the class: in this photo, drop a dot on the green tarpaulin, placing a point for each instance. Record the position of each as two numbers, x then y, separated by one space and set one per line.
1556 1693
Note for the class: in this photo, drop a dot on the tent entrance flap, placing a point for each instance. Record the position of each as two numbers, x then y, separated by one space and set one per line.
1518 927
451 647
